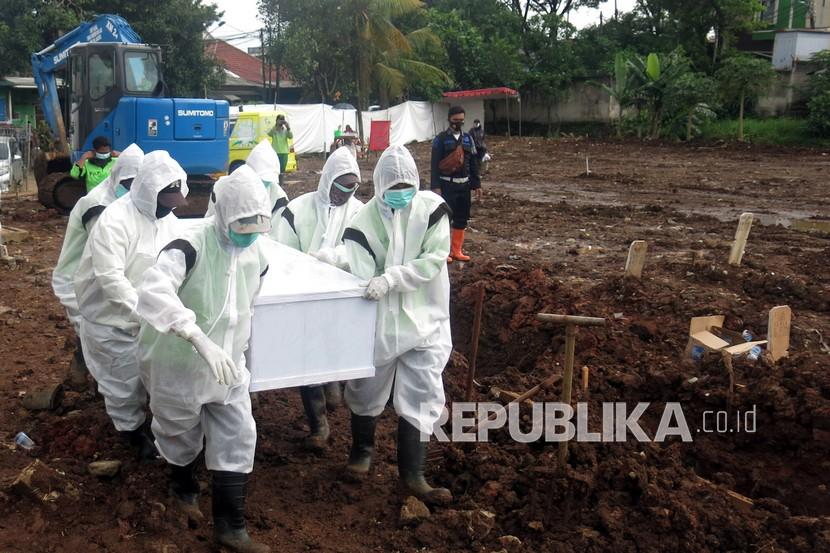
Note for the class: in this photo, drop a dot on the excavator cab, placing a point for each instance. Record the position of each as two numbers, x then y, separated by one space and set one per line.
99 75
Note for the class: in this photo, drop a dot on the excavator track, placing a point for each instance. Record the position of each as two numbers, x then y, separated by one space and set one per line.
60 191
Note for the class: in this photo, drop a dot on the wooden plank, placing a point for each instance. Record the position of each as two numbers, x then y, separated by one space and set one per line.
778 331
739 245
571 319
9 235
636 259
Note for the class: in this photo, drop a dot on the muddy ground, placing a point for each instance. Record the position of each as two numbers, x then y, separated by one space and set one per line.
547 238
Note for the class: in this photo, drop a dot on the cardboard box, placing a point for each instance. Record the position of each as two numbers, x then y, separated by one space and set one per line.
708 333
311 324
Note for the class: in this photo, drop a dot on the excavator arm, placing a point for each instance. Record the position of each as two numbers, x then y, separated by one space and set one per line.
104 28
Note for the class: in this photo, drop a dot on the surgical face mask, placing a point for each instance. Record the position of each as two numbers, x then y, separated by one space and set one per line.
242 240
478 125
267 184
99 155
123 187
399 198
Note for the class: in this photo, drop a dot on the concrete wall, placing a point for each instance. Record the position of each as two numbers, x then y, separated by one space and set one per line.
473 109
583 103
787 92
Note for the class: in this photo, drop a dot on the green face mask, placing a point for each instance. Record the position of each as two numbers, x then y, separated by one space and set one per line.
399 198
242 240
120 190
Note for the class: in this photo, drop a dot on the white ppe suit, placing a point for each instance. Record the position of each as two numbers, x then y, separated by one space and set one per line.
408 248
311 224
265 163
81 220
122 245
204 285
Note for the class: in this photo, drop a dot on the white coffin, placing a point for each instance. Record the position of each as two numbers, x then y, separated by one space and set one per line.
311 324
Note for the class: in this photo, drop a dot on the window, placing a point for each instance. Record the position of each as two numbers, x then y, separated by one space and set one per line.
244 133
4 151
769 14
141 71
101 75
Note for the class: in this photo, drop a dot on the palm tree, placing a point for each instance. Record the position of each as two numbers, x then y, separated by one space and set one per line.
383 54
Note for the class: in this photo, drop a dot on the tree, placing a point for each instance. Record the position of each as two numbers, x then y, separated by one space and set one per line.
742 77
654 78
818 107
621 89
382 50
690 97
469 59
310 41
551 61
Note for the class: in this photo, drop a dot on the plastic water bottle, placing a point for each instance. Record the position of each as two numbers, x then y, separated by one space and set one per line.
24 441
747 336
754 353
697 352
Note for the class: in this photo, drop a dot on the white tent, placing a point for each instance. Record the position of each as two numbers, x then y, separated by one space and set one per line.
313 125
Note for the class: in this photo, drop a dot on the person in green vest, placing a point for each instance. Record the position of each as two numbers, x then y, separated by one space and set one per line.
280 135
96 164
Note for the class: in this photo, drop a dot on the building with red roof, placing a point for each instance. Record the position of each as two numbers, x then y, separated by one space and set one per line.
247 78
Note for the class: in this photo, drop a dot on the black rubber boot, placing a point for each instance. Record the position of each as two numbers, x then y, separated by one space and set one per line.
78 371
184 488
314 403
412 453
229 491
334 395
141 440
363 445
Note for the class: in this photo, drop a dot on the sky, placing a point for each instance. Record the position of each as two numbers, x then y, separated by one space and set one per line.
241 17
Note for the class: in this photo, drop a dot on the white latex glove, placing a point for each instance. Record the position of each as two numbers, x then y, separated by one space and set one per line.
326 255
220 363
376 288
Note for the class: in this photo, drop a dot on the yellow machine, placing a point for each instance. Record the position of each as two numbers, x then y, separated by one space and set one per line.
248 128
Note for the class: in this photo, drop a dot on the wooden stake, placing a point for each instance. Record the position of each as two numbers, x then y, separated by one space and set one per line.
636 259
778 332
585 372
471 374
567 382
739 245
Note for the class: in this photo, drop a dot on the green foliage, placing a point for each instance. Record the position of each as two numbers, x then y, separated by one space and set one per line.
819 114
655 77
471 60
743 77
781 131
818 107
691 101
307 36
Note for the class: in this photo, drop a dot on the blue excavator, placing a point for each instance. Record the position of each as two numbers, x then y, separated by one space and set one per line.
114 88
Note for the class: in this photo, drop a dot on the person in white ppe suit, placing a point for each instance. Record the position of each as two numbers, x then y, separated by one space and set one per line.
265 163
197 301
81 220
399 242
123 244
314 223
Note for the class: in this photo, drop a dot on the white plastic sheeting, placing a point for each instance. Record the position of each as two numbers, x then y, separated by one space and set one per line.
311 323
313 125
